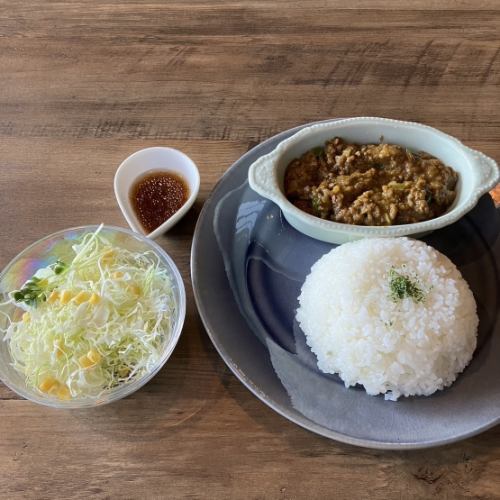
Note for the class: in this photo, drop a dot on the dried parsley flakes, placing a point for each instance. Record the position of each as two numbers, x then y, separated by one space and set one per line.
403 286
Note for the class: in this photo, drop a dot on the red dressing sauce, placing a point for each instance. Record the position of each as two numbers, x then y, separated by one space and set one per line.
157 196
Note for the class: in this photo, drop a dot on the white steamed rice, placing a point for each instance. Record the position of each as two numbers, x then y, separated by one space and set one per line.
391 347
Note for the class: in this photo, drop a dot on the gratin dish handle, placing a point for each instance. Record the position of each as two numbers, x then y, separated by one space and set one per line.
488 172
262 176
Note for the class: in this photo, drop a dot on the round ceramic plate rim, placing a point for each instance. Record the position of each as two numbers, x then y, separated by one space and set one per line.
240 375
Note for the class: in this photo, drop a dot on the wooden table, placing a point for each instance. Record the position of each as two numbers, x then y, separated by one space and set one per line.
83 84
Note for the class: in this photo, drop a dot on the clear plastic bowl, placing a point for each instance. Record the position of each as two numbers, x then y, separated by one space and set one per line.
48 250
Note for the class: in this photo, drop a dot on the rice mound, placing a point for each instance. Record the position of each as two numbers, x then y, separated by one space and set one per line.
396 347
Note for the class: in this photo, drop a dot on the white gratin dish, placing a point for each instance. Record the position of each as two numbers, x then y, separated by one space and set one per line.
478 173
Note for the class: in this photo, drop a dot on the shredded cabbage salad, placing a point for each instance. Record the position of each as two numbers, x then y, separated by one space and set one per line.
93 323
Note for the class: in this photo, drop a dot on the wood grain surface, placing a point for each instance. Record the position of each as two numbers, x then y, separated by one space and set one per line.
84 83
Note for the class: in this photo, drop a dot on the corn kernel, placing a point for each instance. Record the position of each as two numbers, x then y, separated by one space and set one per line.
81 297
60 349
117 275
63 392
94 356
26 317
94 299
47 384
108 256
66 296
53 297
85 362
134 289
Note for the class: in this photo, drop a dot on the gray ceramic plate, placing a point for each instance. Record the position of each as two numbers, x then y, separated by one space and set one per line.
247 267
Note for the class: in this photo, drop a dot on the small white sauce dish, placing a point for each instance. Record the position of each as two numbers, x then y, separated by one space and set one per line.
155 159
478 173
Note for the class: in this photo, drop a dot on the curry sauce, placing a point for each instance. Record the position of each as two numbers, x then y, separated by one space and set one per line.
370 184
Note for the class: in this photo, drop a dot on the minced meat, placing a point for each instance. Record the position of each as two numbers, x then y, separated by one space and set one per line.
370 184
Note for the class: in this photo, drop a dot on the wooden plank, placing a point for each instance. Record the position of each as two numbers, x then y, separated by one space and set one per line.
406 67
